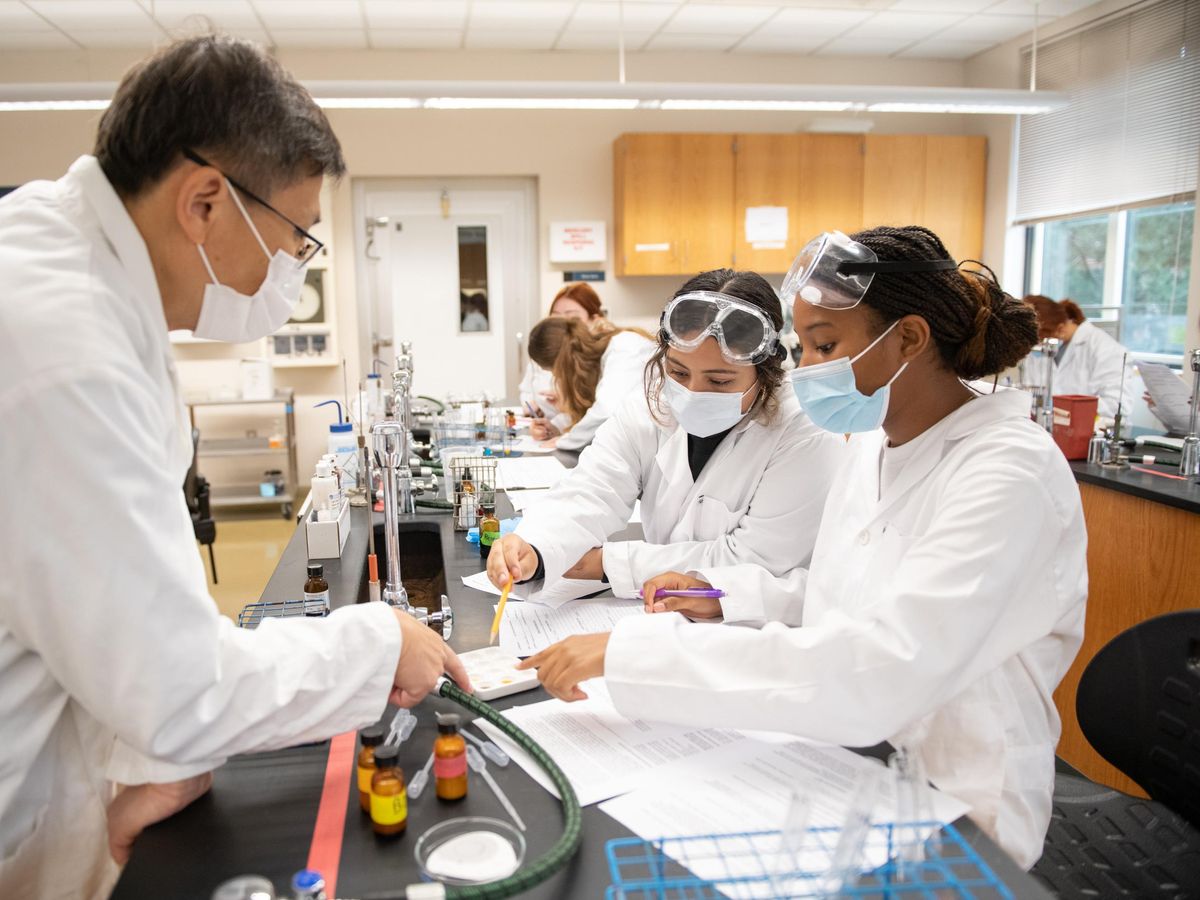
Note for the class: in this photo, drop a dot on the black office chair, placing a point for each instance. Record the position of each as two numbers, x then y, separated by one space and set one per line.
196 491
1139 706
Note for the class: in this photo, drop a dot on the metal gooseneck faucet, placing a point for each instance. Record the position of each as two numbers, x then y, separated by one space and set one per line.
1189 462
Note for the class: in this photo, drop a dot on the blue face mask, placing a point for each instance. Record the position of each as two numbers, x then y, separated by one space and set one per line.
829 395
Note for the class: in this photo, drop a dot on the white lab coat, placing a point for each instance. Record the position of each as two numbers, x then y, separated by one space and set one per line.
941 616
622 369
1092 364
536 383
115 666
757 500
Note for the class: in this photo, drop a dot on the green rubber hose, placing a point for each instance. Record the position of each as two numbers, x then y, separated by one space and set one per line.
433 504
552 860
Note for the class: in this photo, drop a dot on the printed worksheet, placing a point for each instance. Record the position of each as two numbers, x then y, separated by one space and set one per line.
1172 403
529 472
529 628
562 591
601 752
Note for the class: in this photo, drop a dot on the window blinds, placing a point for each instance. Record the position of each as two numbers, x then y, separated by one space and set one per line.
1131 133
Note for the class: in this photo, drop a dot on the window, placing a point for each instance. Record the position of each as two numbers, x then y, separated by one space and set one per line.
472 278
1127 270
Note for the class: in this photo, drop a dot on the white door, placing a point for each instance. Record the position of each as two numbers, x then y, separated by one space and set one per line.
454 277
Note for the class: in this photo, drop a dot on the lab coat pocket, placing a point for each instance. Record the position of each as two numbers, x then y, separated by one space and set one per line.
714 519
878 554
20 869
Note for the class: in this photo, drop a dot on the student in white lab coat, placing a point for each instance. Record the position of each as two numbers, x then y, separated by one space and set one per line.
946 594
712 445
577 300
1090 361
594 371
115 666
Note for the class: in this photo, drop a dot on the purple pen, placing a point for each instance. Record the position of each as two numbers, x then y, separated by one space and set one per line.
711 593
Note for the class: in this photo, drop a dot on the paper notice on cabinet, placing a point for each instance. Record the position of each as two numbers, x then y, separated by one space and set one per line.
652 248
766 224
601 752
1172 400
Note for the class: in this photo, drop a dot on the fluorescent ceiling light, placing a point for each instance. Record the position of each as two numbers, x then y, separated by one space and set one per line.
763 105
995 109
369 102
50 105
529 103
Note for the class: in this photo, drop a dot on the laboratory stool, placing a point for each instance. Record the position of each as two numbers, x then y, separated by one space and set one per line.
1139 706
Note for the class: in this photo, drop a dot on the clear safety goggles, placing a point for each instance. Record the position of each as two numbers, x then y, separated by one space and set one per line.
742 331
834 272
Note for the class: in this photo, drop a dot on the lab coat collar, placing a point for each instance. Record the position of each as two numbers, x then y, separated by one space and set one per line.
976 414
125 239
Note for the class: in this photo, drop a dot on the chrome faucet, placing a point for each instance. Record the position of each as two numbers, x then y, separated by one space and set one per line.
1043 400
1189 461
391 456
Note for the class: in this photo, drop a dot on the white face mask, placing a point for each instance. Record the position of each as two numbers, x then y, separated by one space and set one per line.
226 315
704 413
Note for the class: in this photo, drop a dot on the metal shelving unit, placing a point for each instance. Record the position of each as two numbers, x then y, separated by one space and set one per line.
246 494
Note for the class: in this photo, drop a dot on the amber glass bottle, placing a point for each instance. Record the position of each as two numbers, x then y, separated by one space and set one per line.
450 759
371 738
389 795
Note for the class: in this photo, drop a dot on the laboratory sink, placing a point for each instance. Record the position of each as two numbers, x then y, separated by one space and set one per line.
422 565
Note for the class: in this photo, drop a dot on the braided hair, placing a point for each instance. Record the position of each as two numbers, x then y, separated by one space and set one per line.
979 330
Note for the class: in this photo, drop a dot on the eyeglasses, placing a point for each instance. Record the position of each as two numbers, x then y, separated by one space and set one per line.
309 245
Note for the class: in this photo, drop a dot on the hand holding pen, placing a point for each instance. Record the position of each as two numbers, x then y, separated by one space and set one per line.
676 592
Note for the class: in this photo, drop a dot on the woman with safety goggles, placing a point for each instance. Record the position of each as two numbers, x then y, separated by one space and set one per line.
945 599
712 446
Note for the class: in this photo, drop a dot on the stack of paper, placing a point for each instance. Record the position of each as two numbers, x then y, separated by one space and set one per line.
560 592
529 472
1171 398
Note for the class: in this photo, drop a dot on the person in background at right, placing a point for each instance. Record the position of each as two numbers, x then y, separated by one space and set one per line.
1089 362
577 300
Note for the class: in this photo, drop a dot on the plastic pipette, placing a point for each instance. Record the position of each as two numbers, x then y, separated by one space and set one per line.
475 761
404 723
492 751
420 780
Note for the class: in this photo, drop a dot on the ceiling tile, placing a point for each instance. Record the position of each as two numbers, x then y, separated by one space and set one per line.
320 37
816 23
101 38
224 14
692 42
766 41
856 46
903 26
100 15
944 6
939 48
35 40
606 16
19 17
527 15
572 39
503 39
416 13
709 18
1046 9
993 29
416 38
301 15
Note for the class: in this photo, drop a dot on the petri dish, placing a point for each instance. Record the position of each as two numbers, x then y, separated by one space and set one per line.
470 850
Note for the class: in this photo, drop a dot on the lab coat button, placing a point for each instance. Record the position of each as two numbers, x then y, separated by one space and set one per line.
864 537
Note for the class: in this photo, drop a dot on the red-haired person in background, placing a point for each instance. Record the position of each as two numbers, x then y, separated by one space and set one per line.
538 395
1090 362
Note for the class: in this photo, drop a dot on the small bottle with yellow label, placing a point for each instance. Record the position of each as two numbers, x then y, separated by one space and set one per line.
371 738
389 796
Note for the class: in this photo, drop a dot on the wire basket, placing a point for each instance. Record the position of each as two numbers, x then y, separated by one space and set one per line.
760 864
471 484
253 614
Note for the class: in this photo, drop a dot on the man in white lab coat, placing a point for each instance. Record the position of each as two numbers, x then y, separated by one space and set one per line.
115 667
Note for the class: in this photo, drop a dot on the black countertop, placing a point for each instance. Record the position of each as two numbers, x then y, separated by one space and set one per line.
260 814
1159 487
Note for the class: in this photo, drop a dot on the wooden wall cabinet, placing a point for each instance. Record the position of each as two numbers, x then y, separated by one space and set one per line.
681 199
674 203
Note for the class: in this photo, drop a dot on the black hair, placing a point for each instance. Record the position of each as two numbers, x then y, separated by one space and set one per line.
979 330
225 99
753 289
